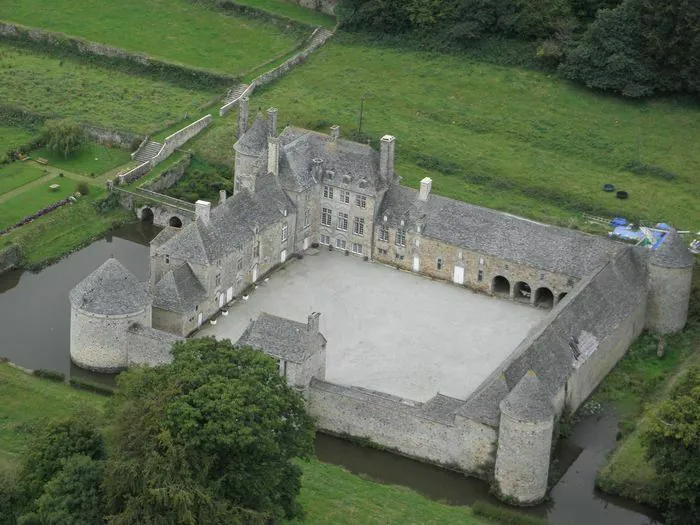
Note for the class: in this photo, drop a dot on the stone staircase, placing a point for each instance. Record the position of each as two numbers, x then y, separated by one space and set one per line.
320 36
235 93
148 151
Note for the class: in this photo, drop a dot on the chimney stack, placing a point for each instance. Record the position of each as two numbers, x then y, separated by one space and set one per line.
201 210
312 325
317 169
386 158
425 186
222 196
272 122
242 117
335 133
273 155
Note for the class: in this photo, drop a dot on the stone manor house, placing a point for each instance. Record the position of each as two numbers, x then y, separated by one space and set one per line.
295 189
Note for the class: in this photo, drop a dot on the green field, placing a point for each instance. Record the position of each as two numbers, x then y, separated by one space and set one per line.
176 30
32 200
63 88
291 10
91 158
330 495
13 136
17 174
507 138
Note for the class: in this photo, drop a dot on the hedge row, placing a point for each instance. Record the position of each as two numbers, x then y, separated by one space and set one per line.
255 13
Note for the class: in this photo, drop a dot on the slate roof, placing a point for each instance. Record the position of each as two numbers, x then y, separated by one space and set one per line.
179 290
164 235
597 306
528 400
282 338
254 141
110 290
483 405
506 236
355 166
231 225
672 252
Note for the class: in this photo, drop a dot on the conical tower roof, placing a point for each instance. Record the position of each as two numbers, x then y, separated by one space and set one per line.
672 252
528 401
110 290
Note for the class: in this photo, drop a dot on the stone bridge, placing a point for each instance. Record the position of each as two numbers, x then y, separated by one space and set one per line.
157 208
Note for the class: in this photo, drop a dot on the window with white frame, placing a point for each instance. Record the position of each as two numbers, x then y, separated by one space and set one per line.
327 217
343 221
340 244
358 226
325 240
357 248
345 196
400 237
285 231
328 192
361 201
384 234
438 263
307 217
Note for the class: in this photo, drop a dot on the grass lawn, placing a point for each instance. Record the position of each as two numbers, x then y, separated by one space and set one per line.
49 86
330 495
641 378
32 200
17 174
66 229
507 138
176 30
12 136
291 10
91 158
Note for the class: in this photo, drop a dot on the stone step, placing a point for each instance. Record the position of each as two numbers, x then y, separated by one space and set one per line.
149 151
235 93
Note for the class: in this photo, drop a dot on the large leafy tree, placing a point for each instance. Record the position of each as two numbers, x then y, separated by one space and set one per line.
673 446
209 439
63 136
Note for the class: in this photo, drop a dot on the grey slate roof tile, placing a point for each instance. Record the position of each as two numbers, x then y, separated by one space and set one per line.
111 290
528 401
254 141
483 405
179 290
280 337
672 252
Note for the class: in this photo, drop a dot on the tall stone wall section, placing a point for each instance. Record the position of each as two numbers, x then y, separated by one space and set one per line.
178 139
411 429
170 176
669 296
10 257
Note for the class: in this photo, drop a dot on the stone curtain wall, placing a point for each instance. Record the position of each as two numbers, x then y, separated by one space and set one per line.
455 442
170 176
111 137
133 174
10 257
324 6
178 139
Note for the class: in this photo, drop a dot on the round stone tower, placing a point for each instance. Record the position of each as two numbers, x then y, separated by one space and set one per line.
103 306
670 276
524 443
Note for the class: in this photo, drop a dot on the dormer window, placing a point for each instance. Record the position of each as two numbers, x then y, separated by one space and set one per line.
362 183
403 223
346 179
330 174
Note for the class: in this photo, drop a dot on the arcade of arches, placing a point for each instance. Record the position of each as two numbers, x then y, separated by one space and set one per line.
522 292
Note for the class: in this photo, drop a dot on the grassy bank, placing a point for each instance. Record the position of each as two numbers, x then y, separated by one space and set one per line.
507 138
641 378
65 230
90 159
17 174
177 30
330 495
13 136
290 9
34 199
63 88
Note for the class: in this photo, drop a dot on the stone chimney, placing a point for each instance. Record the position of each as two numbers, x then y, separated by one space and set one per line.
242 117
222 196
335 133
273 155
425 186
386 158
317 169
202 210
272 122
312 324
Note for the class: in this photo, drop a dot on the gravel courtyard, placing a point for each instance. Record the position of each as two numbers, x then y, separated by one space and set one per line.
389 330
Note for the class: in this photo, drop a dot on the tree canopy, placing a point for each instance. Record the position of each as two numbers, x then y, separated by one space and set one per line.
63 136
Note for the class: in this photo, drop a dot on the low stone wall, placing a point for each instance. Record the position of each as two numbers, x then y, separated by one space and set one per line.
10 257
177 139
324 6
133 174
431 431
103 55
170 176
110 137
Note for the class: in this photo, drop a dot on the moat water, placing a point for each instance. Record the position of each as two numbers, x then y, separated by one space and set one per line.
35 328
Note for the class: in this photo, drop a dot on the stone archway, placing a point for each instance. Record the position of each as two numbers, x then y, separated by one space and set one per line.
522 292
147 215
500 286
544 297
561 297
175 222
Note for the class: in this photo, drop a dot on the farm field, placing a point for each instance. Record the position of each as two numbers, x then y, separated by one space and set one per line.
12 136
330 495
63 88
507 138
17 174
176 30
91 158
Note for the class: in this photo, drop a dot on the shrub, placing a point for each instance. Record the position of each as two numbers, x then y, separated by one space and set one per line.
83 188
90 386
